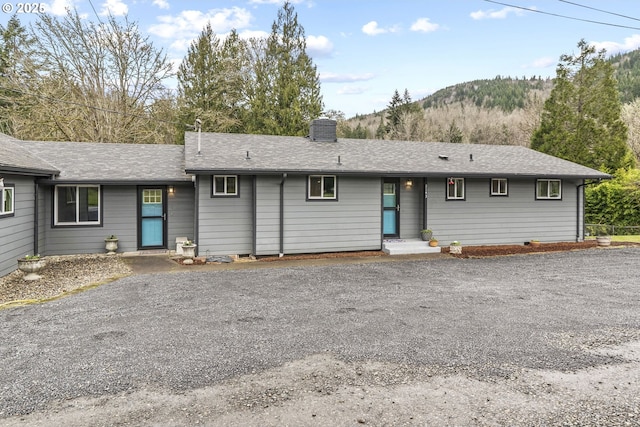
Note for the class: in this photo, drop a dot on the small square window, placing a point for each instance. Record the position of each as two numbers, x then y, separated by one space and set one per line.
322 187
7 204
225 185
455 188
499 187
548 189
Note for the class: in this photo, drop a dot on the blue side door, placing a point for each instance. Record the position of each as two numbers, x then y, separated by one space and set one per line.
152 218
391 208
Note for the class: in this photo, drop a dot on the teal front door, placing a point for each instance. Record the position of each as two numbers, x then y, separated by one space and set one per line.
391 208
152 218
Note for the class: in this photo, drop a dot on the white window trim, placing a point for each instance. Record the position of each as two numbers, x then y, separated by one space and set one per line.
214 190
506 187
547 197
457 181
77 187
12 190
322 196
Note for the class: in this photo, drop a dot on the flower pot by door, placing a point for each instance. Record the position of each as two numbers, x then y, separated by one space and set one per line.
433 243
603 240
111 245
189 253
455 249
30 267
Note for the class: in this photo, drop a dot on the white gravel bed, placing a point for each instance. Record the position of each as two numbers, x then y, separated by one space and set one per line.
61 275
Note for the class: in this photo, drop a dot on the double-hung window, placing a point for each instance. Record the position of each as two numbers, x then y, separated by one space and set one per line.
7 204
322 187
77 205
499 187
225 186
455 188
548 189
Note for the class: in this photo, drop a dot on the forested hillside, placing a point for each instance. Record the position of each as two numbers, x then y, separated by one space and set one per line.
503 110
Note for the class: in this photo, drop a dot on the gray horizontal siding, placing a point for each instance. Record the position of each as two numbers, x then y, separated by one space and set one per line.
411 209
225 223
119 217
17 231
518 218
181 208
349 224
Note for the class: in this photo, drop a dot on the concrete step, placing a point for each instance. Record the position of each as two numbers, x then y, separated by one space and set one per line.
408 246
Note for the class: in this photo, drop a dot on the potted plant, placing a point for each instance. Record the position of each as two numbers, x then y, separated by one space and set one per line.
31 265
188 251
426 234
111 244
602 235
433 242
455 247
534 242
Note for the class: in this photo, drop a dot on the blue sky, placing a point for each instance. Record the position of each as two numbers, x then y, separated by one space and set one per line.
365 49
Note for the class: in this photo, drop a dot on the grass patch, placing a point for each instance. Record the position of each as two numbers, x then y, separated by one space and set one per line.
632 239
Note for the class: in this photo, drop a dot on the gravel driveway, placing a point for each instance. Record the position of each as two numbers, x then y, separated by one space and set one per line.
545 339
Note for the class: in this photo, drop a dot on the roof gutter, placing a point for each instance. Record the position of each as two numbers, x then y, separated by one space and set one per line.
387 173
28 171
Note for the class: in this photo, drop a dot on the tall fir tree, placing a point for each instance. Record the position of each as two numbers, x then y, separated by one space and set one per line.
211 82
16 67
581 120
285 94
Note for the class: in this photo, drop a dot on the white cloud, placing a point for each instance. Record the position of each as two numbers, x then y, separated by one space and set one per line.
253 34
114 8
542 63
345 78
189 23
274 1
352 90
496 14
424 25
162 4
319 46
59 7
612 48
372 29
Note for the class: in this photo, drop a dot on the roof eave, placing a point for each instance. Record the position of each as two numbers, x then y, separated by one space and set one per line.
389 173
28 171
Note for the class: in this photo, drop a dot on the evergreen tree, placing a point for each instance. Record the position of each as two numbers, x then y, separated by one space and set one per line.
285 95
403 117
15 68
581 120
394 116
454 133
211 82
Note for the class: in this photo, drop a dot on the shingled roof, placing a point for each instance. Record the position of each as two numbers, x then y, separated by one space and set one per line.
261 154
112 163
14 158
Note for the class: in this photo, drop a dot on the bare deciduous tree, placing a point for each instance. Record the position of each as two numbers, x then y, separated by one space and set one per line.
95 82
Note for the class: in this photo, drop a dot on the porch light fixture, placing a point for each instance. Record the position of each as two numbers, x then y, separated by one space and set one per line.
1 184
408 183
171 190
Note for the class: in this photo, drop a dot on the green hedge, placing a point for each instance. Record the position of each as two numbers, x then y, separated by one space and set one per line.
615 201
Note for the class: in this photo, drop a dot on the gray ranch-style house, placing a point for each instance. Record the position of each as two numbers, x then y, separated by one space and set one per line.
238 194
